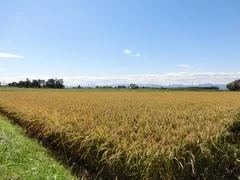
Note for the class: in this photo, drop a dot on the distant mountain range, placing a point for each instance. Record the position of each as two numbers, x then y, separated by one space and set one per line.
221 86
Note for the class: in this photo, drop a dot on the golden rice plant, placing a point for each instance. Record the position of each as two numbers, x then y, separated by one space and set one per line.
139 135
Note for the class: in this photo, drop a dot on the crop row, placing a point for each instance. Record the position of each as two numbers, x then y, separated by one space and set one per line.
166 135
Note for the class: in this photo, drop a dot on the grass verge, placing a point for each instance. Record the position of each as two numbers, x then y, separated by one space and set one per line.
24 158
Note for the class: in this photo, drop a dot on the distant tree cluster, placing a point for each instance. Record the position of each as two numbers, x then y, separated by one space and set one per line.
78 87
133 86
104 87
234 86
121 87
50 83
109 87
202 88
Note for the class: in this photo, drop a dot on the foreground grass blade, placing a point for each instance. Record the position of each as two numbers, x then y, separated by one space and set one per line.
24 158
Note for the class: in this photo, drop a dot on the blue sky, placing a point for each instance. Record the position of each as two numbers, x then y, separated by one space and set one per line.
100 42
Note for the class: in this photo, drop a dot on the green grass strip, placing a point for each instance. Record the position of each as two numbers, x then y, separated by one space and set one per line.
24 158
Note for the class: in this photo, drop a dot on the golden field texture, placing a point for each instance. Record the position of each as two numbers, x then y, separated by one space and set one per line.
136 135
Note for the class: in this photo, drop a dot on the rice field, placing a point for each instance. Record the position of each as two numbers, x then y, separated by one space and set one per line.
136 135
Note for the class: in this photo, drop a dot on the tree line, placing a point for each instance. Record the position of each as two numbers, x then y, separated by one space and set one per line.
38 83
58 83
131 86
135 86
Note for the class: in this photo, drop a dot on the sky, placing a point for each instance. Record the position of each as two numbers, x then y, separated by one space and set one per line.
114 42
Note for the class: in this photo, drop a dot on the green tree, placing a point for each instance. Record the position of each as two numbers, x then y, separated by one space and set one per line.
35 84
133 86
51 83
41 83
234 86
27 83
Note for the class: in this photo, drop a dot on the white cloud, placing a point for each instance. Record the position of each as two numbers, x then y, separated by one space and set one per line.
54 69
185 66
6 55
137 55
163 79
127 51
1 69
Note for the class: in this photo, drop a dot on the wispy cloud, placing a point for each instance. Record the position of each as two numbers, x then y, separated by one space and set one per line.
6 55
1 69
127 51
54 69
185 66
186 78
